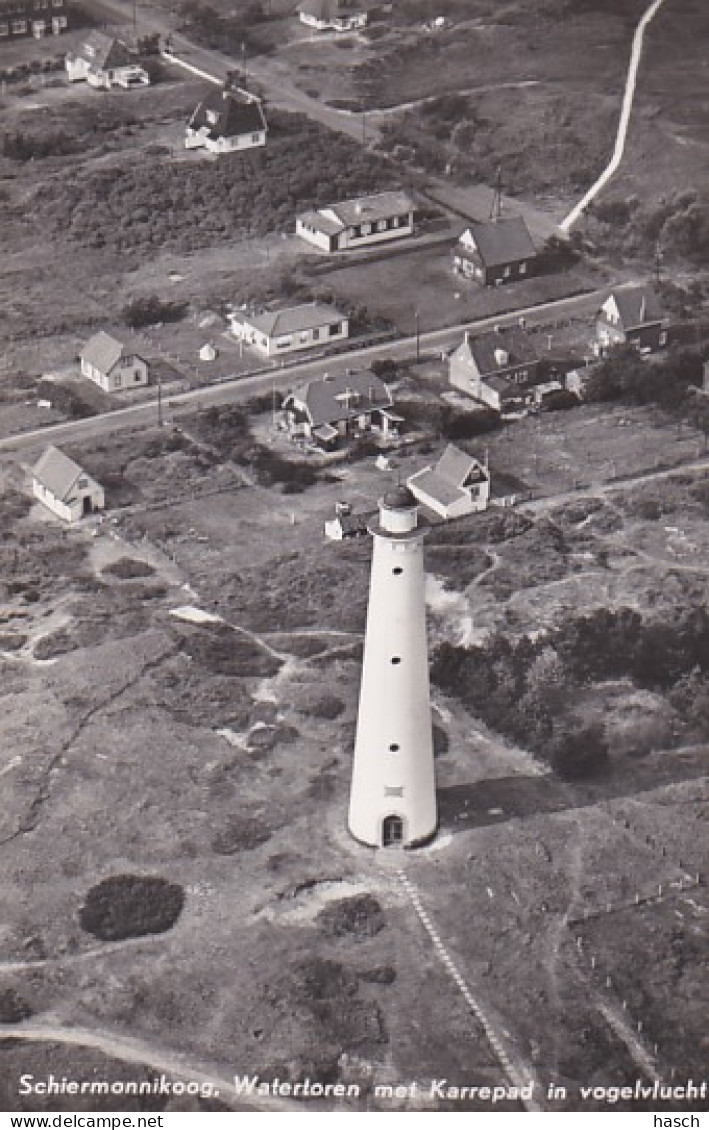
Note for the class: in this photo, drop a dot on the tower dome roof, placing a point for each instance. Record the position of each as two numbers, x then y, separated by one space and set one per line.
400 498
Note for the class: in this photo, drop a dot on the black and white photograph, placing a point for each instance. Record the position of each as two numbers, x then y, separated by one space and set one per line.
354 559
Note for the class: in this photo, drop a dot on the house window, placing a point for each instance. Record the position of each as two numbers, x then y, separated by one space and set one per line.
507 272
19 27
316 335
395 221
663 337
381 225
523 268
255 137
4 29
334 329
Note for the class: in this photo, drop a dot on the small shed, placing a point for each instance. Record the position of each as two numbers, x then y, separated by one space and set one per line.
64 487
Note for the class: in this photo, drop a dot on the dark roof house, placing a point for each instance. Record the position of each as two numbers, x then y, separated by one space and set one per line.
340 404
631 315
495 252
490 367
226 120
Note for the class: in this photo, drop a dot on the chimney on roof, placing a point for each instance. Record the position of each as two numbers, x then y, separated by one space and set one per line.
497 329
467 337
501 356
643 309
522 323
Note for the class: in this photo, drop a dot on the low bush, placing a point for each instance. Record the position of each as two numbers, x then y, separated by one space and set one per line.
131 906
361 916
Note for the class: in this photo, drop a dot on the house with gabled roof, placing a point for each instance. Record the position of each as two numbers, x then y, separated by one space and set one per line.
275 333
456 485
499 251
496 368
341 406
64 487
112 363
226 121
361 222
631 315
332 15
103 61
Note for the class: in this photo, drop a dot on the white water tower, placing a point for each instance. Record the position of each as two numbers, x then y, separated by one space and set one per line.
393 792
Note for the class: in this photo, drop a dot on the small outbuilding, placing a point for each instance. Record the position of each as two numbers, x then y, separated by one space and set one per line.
456 485
64 487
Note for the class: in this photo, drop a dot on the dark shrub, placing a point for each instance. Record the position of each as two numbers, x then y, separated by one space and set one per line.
130 906
127 568
360 917
13 1009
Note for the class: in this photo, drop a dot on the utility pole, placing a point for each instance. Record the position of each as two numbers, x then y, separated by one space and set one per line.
418 336
496 209
159 400
364 125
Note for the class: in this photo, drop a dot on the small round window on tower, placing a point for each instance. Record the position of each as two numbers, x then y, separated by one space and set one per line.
397 571
394 747
395 659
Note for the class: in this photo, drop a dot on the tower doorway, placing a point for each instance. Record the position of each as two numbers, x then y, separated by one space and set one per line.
86 505
392 831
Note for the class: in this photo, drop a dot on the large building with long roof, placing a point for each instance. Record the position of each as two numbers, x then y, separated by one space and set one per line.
360 222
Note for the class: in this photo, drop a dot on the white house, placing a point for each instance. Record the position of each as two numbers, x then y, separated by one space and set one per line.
104 62
277 332
341 406
456 485
631 315
332 15
64 487
357 223
227 120
112 364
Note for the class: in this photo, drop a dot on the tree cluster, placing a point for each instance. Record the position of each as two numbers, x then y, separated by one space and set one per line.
671 382
526 689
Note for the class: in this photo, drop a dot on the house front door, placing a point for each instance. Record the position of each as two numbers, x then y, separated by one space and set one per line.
86 505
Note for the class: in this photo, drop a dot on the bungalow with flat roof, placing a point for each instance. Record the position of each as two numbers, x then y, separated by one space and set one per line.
113 364
275 333
341 406
456 485
631 315
227 120
496 252
492 366
332 15
357 223
103 61
64 487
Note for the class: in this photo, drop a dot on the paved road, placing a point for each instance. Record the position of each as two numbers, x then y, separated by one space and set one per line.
622 133
243 388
